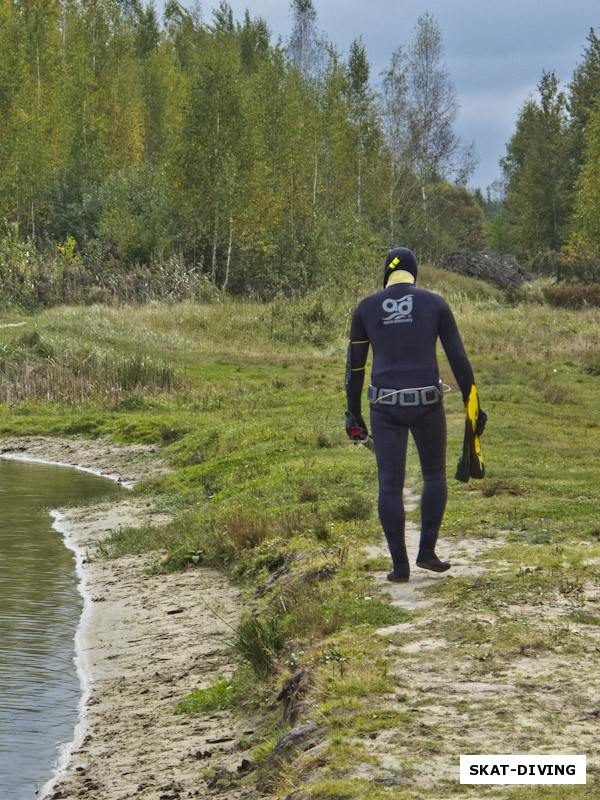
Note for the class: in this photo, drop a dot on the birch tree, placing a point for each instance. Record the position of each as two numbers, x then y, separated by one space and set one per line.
434 148
306 47
421 108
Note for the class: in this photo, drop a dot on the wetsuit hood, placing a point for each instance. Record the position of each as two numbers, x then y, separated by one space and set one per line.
399 258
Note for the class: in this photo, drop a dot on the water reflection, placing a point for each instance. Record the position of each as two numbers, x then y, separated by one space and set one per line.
39 612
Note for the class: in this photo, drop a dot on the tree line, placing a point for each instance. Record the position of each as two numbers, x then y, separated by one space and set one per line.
196 152
550 216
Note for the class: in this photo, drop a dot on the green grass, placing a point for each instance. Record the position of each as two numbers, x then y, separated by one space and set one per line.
219 696
246 402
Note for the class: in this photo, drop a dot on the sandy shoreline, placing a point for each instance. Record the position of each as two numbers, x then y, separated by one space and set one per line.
143 643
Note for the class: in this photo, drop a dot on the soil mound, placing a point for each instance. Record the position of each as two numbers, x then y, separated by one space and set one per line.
502 271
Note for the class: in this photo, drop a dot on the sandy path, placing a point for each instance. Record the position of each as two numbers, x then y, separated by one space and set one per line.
144 643
459 701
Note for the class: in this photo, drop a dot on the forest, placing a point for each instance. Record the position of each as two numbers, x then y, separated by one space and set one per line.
170 157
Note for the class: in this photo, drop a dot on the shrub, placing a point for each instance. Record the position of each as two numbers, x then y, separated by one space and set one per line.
579 268
259 640
247 531
573 296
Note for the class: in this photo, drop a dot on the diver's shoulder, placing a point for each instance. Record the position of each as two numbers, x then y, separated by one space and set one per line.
398 290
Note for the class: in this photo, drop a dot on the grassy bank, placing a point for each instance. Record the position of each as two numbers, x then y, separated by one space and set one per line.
246 402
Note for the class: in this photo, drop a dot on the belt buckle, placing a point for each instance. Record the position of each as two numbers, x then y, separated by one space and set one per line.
430 395
409 398
387 397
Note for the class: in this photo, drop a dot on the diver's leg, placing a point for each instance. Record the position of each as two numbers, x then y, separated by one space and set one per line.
429 433
390 440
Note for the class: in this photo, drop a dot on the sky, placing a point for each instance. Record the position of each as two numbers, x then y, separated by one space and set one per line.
495 52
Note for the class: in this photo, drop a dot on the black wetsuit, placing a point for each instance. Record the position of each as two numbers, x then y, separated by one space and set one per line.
402 324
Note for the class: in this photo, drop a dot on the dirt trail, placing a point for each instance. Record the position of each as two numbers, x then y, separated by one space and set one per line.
410 596
458 696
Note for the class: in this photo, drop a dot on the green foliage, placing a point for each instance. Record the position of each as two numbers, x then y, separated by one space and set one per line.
134 215
585 235
219 696
551 174
539 173
140 160
584 92
140 539
144 161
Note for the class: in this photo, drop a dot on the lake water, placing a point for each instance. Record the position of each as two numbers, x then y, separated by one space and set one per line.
40 607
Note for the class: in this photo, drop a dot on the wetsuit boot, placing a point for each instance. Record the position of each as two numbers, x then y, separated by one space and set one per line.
400 573
426 558
397 547
433 563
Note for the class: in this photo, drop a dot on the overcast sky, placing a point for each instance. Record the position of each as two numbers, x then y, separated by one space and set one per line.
495 50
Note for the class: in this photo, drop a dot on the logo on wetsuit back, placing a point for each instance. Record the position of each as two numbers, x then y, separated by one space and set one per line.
398 310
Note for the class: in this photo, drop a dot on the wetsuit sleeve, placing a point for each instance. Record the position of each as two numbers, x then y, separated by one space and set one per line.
356 359
455 351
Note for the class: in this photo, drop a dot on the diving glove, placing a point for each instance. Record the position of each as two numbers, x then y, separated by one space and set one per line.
356 429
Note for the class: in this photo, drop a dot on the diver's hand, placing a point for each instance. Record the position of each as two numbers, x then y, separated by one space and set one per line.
356 429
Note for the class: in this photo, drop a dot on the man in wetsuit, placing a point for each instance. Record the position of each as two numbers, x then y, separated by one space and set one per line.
402 324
